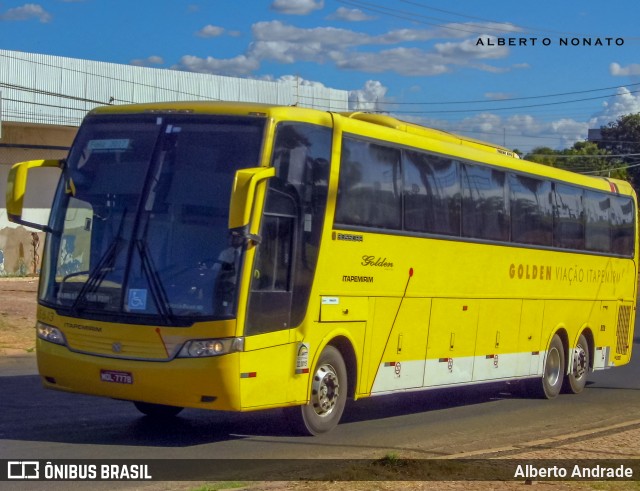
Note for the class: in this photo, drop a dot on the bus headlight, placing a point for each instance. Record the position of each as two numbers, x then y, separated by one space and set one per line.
198 348
50 333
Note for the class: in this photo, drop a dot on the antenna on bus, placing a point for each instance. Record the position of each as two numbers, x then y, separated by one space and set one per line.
395 318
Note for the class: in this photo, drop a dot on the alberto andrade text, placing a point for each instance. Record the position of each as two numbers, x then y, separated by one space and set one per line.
576 471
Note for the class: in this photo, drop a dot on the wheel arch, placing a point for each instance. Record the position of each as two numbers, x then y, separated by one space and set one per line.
345 347
561 331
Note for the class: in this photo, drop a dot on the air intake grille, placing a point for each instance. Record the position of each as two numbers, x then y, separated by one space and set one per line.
624 315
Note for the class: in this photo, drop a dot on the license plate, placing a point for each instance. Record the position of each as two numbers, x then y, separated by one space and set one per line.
116 377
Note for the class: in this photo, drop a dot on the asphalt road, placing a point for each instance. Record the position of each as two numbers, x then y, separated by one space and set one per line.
41 424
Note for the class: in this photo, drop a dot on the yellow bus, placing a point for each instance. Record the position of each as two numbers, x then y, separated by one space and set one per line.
240 257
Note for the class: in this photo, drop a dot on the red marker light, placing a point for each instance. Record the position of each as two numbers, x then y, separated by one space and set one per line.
410 272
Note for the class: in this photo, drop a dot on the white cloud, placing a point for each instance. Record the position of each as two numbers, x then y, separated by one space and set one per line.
468 49
569 131
483 123
330 36
521 131
618 71
151 60
295 80
624 102
210 31
369 97
405 61
350 15
276 41
417 62
297 7
498 96
239 66
525 131
27 12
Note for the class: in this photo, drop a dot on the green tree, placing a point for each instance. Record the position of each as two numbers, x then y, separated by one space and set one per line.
622 137
584 157
543 155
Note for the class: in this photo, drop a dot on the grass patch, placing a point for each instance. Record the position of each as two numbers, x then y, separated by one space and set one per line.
219 486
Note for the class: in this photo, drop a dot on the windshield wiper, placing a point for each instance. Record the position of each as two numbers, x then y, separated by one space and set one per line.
104 266
156 287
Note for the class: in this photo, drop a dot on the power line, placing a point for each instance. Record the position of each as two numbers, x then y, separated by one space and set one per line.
607 156
442 111
48 93
485 101
106 77
612 169
411 16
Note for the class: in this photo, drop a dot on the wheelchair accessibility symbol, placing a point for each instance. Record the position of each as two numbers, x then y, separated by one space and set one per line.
137 299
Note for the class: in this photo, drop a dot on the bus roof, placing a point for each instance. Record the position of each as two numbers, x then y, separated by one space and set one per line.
493 154
427 132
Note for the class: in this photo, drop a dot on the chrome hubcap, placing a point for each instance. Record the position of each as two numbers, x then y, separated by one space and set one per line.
552 369
325 390
579 362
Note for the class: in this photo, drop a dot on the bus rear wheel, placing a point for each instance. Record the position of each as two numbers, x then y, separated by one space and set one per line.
553 374
157 411
579 363
328 394
550 385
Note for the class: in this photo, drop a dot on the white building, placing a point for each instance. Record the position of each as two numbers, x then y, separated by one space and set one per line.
44 98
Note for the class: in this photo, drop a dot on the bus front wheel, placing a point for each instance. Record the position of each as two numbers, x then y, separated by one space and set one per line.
328 394
578 367
157 411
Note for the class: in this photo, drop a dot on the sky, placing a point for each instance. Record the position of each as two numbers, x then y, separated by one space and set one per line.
520 74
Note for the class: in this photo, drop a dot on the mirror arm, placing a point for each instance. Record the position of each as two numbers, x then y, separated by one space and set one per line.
243 234
37 226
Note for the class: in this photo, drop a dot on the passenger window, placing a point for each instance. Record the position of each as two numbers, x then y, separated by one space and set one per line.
622 226
369 192
531 211
568 229
431 194
598 227
484 203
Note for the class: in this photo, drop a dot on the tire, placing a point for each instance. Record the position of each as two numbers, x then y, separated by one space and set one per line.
579 364
550 385
157 411
328 395
553 374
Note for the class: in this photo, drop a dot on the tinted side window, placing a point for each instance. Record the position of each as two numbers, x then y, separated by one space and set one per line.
369 192
568 230
294 212
531 211
484 203
597 207
622 225
431 194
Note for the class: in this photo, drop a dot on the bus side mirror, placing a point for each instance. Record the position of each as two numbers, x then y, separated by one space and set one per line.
243 197
17 189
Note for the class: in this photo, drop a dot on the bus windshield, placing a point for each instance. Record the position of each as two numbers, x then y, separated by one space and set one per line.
140 220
